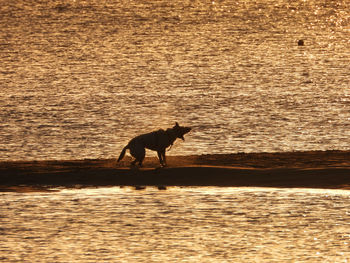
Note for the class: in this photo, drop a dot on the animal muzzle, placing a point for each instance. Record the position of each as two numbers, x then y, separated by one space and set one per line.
186 130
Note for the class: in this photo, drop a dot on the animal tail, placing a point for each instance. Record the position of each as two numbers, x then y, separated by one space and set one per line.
121 156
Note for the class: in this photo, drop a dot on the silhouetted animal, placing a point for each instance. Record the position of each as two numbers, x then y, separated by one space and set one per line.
156 141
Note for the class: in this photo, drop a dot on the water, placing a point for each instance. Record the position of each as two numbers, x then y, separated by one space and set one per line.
176 225
78 79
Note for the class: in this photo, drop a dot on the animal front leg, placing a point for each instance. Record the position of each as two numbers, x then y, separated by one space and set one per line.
160 157
164 158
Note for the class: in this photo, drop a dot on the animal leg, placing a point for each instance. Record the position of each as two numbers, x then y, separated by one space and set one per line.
164 158
138 159
138 152
160 157
142 158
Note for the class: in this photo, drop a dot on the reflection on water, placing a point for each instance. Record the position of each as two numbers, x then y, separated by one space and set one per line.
79 78
177 225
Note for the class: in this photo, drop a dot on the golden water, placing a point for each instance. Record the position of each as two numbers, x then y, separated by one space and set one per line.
176 225
79 78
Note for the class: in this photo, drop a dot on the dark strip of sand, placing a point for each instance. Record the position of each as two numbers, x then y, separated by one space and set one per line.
317 169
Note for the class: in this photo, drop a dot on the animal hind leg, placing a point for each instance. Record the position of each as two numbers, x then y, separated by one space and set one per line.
138 153
141 158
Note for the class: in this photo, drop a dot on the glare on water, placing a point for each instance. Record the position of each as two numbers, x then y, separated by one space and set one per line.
78 79
176 225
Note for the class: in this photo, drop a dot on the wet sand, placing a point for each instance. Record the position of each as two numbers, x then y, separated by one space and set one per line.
316 169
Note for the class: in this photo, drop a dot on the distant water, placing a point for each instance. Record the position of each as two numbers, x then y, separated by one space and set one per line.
176 225
78 78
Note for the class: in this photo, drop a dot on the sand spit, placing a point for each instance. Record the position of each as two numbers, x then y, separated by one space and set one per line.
316 169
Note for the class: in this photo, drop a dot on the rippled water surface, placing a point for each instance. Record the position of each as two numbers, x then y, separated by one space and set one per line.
79 78
176 225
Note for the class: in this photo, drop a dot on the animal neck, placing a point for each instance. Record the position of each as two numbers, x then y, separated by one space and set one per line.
171 136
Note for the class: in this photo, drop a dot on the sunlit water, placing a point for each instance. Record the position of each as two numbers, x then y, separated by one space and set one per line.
79 78
176 225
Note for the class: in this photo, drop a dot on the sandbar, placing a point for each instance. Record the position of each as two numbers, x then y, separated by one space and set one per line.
313 169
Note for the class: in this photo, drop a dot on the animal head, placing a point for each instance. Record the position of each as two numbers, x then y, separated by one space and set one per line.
180 131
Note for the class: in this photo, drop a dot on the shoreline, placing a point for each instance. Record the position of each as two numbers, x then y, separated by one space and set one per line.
313 169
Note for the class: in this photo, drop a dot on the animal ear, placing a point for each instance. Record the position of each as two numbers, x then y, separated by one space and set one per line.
177 124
